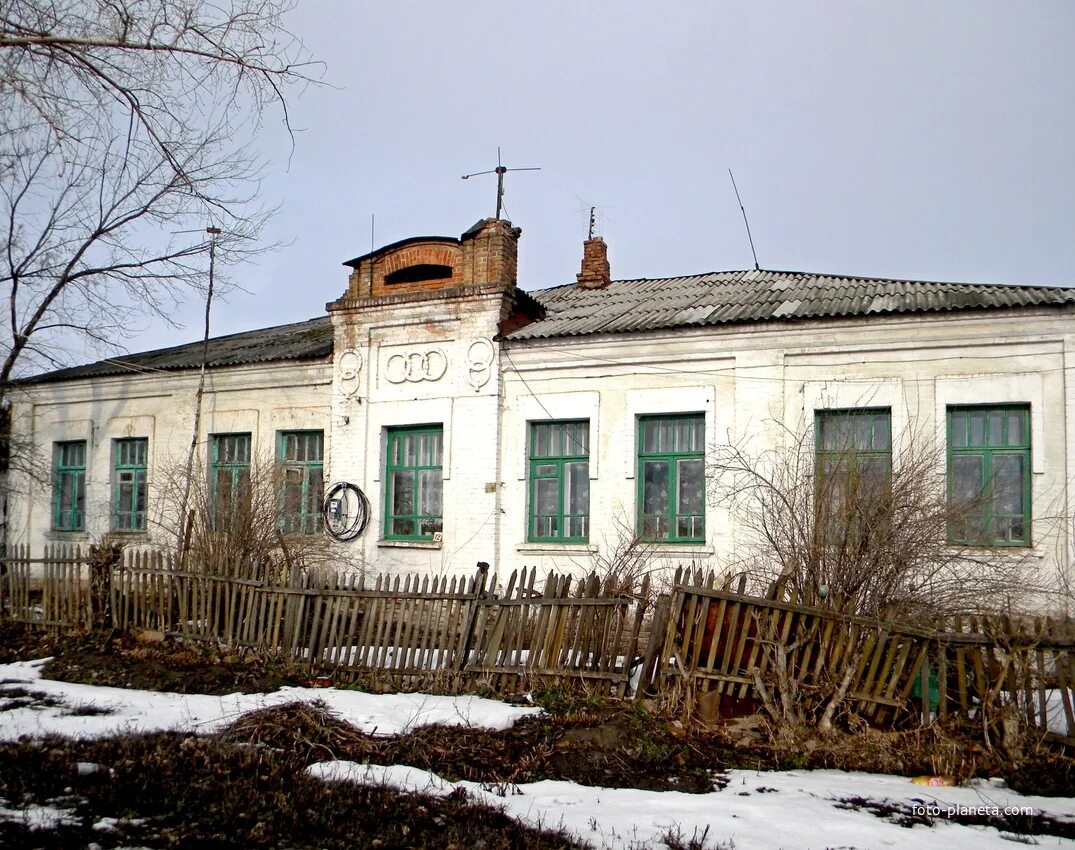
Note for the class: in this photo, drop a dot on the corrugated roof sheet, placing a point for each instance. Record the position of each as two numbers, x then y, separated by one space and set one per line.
624 305
753 296
309 340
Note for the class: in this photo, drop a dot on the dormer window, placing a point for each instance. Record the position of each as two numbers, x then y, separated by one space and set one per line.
419 274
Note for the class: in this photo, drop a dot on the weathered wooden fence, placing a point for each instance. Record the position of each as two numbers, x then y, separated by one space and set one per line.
53 590
405 629
735 648
700 640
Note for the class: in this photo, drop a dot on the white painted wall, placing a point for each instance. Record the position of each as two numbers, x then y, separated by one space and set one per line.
260 399
758 383
750 381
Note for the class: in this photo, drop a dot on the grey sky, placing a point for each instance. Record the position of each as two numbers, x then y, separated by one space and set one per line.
916 139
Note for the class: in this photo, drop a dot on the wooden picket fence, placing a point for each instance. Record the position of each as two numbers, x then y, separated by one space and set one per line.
726 643
407 629
701 640
53 590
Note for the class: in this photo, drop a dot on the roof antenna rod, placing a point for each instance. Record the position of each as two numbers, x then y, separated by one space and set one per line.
499 171
757 268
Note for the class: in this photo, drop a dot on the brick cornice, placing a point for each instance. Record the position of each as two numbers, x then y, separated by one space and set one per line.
454 293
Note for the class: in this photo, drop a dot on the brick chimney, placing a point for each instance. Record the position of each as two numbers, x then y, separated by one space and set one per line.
595 272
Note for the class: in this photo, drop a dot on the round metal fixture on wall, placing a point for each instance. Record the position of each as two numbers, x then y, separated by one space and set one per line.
346 511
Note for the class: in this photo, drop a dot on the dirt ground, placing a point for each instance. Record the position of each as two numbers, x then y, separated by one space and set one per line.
197 782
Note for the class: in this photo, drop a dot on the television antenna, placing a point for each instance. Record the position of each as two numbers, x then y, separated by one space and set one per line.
499 171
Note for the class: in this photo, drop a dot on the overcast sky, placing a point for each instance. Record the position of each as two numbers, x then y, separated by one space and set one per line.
925 140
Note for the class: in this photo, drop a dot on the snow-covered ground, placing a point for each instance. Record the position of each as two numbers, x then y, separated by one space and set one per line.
756 811
149 711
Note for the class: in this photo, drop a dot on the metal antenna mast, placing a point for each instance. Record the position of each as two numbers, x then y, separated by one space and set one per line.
592 222
499 171
747 223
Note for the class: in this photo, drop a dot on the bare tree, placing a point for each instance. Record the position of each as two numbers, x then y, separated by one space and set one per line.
866 532
243 523
121 122
861 524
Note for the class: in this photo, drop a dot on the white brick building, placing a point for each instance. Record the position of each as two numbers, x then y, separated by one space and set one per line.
486 423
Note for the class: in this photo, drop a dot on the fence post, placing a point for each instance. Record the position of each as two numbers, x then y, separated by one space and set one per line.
651 663
102 560
472 617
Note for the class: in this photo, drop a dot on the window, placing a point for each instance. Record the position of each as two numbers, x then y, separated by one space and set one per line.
229 478
69 486
302 460
989 475
413 483
854 472
129 484
559 481
419 274
671 478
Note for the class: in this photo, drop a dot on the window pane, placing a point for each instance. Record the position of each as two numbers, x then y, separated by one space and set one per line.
666 429
403 492
1008 484
874 476
542 446
1016 428
576 438
977 428
649 436
140 502
655 487
968 478
546 497
577 488
691 482
67 492
996 427
430 492
430 526
315 494
959 429
292 507
882 433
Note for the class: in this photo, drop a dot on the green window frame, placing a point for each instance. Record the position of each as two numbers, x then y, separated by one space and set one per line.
853 473
671 478
69 486
989 475
130 466
302 481
229 478
414 483
559 482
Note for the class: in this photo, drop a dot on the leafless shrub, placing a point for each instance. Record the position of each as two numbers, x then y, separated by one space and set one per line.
869 539
865 533
229 529
625 557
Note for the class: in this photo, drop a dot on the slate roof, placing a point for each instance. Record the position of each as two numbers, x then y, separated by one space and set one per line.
309 340
721 298
644 304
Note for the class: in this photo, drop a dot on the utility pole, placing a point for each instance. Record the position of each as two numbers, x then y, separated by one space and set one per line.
185 522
